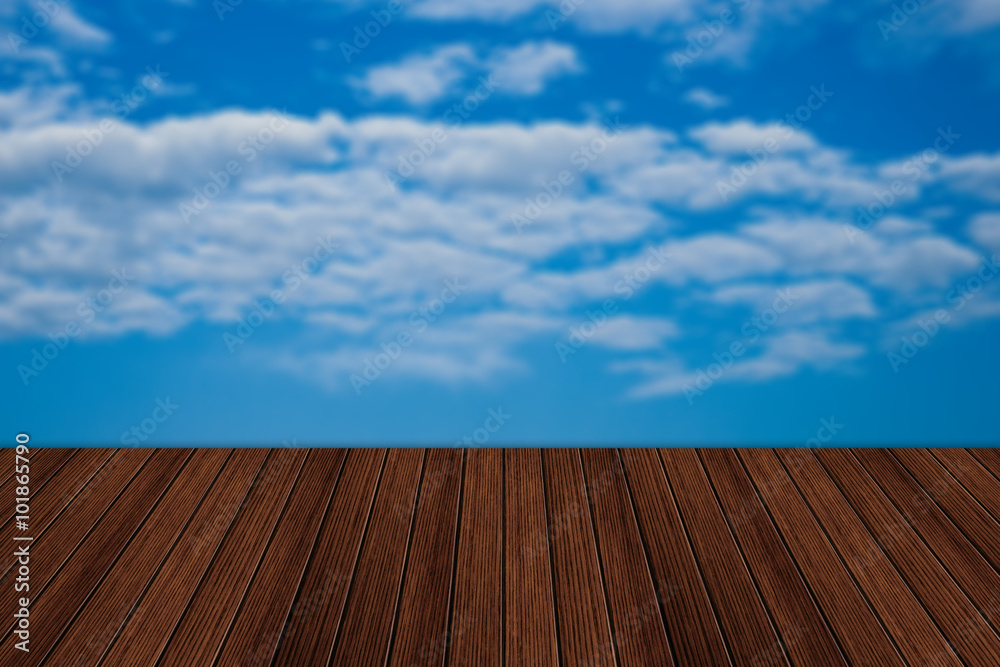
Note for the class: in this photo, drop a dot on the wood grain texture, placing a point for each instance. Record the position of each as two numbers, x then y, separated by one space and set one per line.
422 619
977 480
691 624
311 626
371 606
807 639
581 608
113 601
151 625
914 632
530 616
741 612
256 630
957 617
205 624
971 518
520 557
475 637
45 463
81 575
988 458
977 578
636 620
61 539
861 635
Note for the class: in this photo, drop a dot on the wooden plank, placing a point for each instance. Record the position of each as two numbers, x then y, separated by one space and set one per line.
977 524
144 636
426 597
959 556
371 605
691 624
581 608
740 610
530 616
958 619
475 637
861 635
103 615
976 479
53 608
639 636
202 630
45 463
904 617
256 630
989 459
74 522
806 637
310 628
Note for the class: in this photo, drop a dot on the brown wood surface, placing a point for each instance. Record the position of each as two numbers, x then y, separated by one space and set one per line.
206 622
636 622
519 557
861 635
311 626
531 637
254 638
956 616
476 636
581 607
742 615
807 639
688 615
366 628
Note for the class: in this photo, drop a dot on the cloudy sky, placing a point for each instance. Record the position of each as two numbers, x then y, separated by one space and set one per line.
520 222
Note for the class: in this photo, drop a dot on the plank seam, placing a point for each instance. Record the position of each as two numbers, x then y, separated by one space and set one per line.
260 560
406 560
208 566
163 561
312 555
697 561
454 570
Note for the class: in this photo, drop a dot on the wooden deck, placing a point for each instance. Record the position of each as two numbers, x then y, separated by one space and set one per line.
519 557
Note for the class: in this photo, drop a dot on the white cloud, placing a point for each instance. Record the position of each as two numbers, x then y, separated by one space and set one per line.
706 99
525 69
985 229
422 78
324 177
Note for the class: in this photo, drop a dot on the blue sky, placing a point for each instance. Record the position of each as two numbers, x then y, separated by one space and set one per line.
442 221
